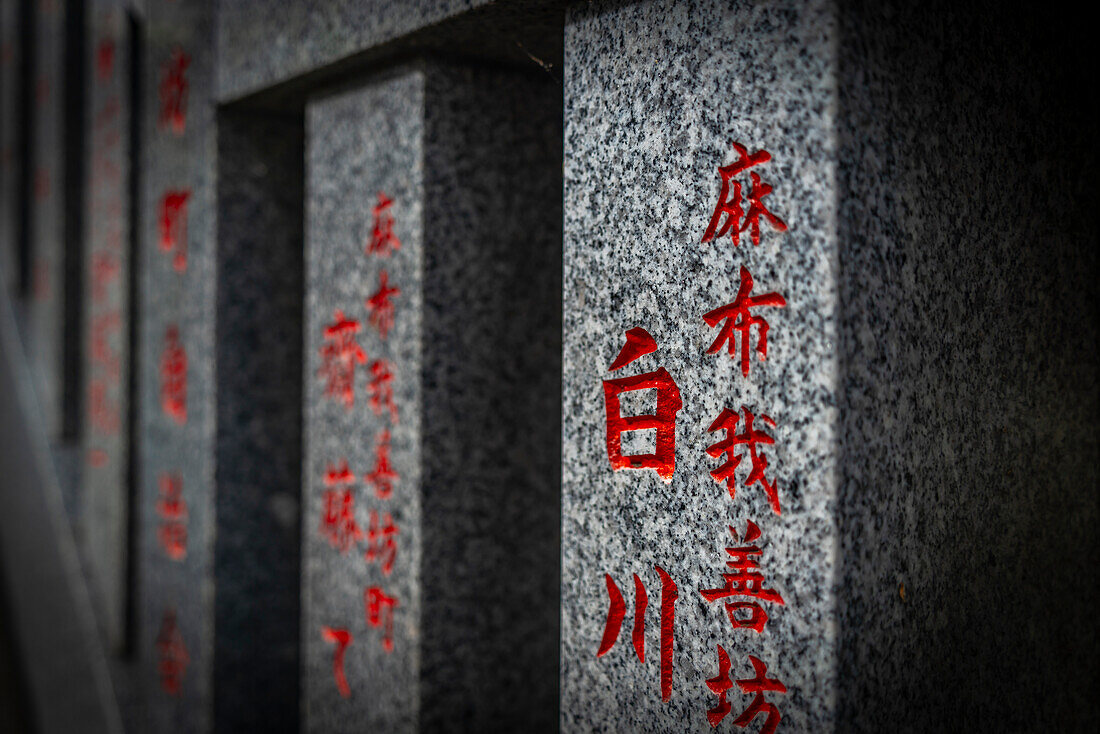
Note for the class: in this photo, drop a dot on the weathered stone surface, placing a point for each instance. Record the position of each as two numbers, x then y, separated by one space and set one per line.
177 348
474 182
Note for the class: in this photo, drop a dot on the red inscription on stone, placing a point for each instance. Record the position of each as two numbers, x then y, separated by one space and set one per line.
380 613
339 355
338 519
750 438
757 685
173 657
173 226
381 545
173 91
97 458
745 581
380 305
102 411
173 376
382 476
663 459
383 242
342 638
103 327
729 200
381 389
172 510
105 269
736 316
105 59
617 610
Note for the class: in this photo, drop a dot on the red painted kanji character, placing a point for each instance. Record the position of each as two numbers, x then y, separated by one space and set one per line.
339 355
751 438
617 610
172 510
736 316
342 638
173 226
663 459
381 389
382 476
383 241
380 613
380 305
173 91
105 58
102 411
380 542
730 206
173 376
97 458
720 686
105 269
745 582
758 685
338 520
102 355
173 655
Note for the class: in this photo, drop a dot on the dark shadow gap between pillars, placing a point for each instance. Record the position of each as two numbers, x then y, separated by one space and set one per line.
260 200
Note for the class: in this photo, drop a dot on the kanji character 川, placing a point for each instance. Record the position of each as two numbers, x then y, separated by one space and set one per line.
663 460
736 316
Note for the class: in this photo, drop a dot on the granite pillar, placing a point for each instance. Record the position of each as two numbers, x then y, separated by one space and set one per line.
176 368
430 513
825 530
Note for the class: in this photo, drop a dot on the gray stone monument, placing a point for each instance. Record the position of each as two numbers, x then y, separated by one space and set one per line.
11 155
430 515
834 331
176 368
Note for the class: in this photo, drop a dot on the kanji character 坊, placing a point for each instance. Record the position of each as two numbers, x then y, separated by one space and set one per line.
730 206
737 317
338 519
380 542
663 459
751 437
721 685
744 581
339 355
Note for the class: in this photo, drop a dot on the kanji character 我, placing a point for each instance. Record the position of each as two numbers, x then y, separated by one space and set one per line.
338 518
751 437
737 316
383 241
380 608
381 389
745 581
729 205
663 460
616 610
173 92
339 355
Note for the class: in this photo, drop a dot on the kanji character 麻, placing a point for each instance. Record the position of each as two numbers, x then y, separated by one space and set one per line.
638 344
381 389
172 653
173 226
105 59
729 200
173 376
342 638
751 438
757 685
380 613
383 242
616 610
338 518
736 316
173 91
172 510
381 545
339 355
380 305
383 475
745 581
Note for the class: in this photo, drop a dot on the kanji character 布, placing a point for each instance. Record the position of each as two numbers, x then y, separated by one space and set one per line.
736 316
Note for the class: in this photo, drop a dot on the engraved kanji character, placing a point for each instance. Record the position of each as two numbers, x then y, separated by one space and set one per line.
342 638
745 581
730 206
173 376
383 241
105 58
758 685
338 519
173 657
720 686
173 91
663 459
172 510
339 355
105 268
173 226
380 613
737 317
381 389
380 305
751 438
381 545
383 475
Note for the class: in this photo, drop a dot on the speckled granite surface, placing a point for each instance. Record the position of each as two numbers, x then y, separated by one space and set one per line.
655 93
183 298
468 158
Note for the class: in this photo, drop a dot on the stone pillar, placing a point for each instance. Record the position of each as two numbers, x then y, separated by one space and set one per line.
11 154
176 367
429 492
843 181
